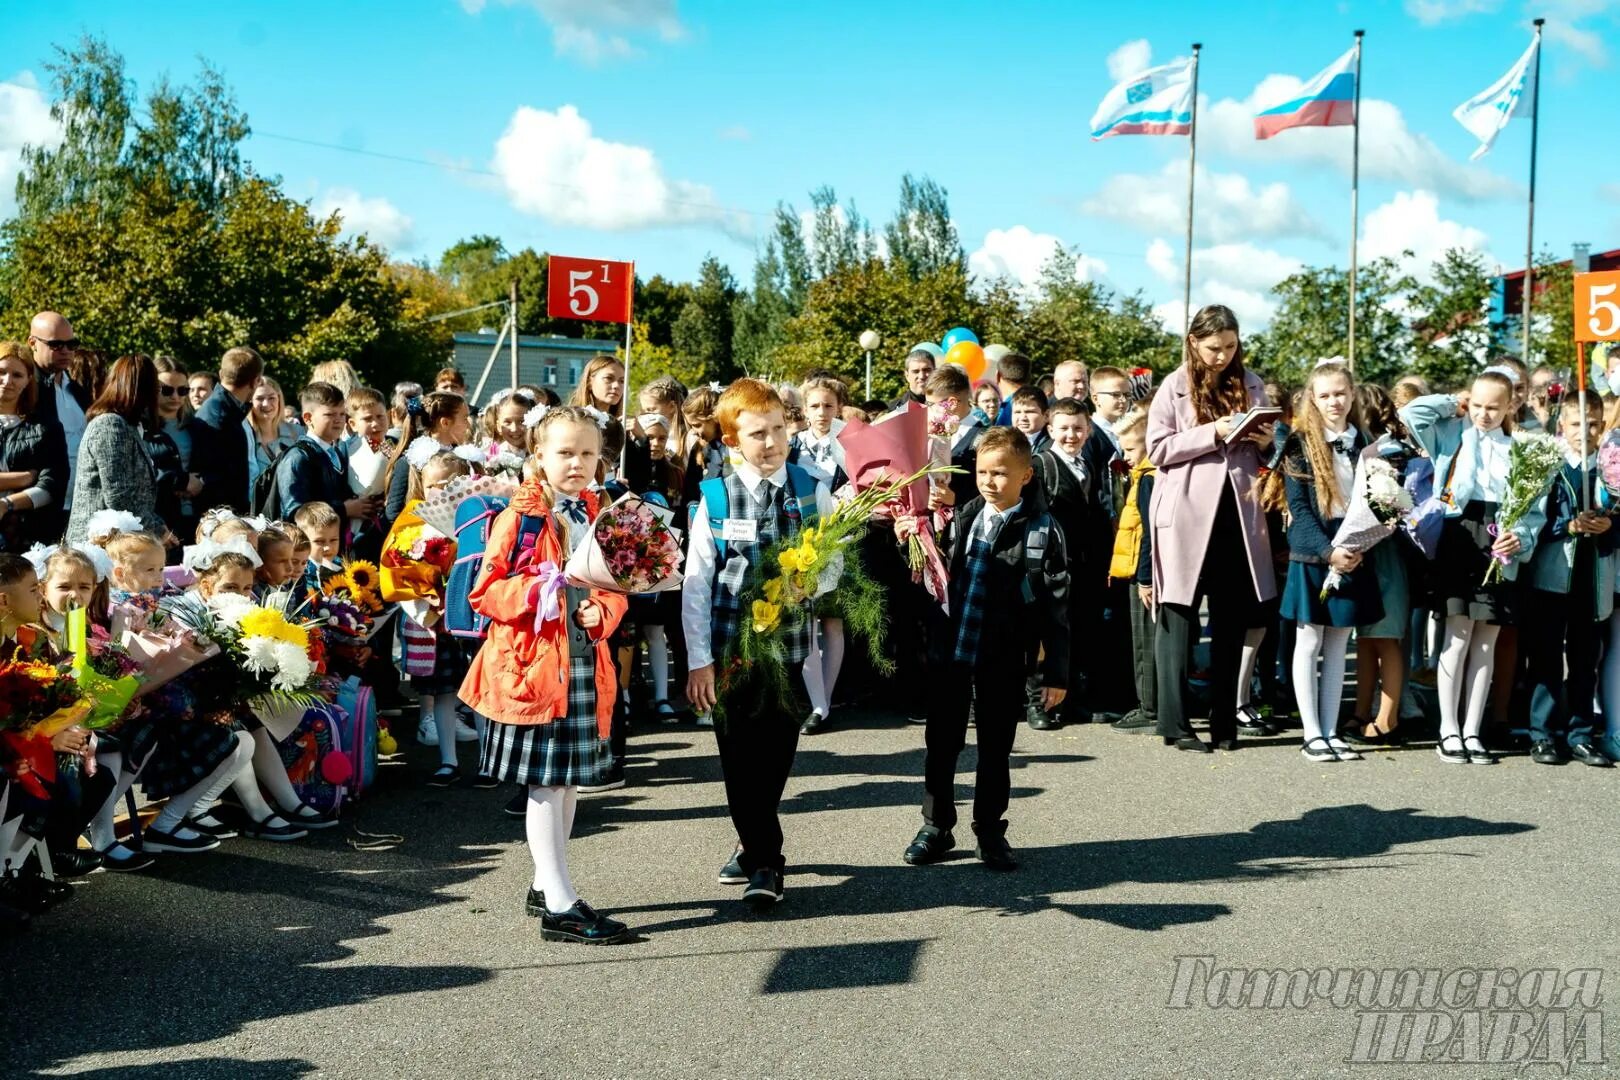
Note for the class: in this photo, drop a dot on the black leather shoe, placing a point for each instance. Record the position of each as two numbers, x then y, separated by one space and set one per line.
534 904
1039 721
812 724
764 888
1135 721
930 845
996 853
1190 743
74 864
1107 717
582 925
1545 753
1252 724
1587 754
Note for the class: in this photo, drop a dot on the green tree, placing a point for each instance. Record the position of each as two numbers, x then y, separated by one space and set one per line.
1312 322
1451 327
1552 316
922 238
703 334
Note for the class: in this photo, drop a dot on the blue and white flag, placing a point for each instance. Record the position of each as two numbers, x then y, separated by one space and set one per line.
1156 102
1514 94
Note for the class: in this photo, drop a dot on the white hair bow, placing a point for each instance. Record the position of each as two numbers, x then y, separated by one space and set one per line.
421 450
100 561
533 416
598 415
103 523
1503 370
200 558
471 454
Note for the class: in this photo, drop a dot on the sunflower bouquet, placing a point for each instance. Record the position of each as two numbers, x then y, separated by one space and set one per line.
818 559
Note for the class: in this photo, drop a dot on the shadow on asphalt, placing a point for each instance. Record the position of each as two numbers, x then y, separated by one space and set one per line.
205 1069
1324 840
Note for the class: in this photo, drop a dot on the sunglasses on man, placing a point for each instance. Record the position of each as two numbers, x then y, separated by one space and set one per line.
57 345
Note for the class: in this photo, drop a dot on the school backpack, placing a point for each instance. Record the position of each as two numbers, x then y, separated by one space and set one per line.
475 517
266 488
314 759
359 708
801 484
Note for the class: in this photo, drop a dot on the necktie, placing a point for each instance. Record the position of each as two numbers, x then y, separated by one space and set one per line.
574 508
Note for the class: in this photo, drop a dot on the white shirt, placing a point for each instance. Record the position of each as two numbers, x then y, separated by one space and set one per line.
824 450
1491 472
1101 424
1074 464
969 422
72 420
697 588
988 527
1344 467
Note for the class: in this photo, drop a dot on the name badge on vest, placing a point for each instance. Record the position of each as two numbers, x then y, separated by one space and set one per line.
739 530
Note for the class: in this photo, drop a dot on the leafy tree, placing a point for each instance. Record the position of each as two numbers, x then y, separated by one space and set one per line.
1451 328
1552 316
922 238
703 334
1312 322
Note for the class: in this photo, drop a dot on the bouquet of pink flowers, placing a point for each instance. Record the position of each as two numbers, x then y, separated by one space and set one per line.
631 549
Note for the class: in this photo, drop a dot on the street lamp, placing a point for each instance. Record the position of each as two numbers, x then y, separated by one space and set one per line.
870 339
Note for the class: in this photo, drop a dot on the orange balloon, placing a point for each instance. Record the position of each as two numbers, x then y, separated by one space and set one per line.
968 356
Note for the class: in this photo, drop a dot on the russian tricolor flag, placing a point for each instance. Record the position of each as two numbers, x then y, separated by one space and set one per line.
1329 100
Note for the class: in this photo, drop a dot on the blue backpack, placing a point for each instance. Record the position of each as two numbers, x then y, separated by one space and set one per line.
718 503
474 519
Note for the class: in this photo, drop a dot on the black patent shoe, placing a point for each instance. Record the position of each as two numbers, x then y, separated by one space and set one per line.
1191 743
996 854
75 864
1587 754
1477 754
583 925
1545 753
930 845
1252 724
534 904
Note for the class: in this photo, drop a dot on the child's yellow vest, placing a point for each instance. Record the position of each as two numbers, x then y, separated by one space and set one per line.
1128 539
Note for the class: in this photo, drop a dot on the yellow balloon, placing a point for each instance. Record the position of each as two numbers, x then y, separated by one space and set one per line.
968 356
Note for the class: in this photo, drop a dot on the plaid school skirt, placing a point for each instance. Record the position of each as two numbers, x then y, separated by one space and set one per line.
563 753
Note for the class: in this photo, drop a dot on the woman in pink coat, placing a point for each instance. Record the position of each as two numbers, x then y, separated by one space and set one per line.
1209 532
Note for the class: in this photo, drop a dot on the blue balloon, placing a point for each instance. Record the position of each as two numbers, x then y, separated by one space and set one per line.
961 333
930 348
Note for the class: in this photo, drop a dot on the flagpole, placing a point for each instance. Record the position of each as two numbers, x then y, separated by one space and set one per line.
1192 173
1530 224
1355 194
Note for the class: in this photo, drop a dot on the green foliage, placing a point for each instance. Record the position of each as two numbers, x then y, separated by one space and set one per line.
1312 322
922 238
703 334
1552 315
1450 319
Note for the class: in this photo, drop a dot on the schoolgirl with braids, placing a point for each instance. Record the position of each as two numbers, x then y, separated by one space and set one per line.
545 677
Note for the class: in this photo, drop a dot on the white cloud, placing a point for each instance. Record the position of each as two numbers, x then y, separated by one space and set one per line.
1241 276
375 218
1019 253
1228 208
597 30
1131 58
554 167
1411 221
1587 44
25 120
1389 149
1433 12
735 133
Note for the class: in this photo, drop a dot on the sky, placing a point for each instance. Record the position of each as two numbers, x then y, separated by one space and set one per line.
660 131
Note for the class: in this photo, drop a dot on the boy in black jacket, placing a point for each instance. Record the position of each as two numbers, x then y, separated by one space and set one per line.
316 467
1069 491
1009 585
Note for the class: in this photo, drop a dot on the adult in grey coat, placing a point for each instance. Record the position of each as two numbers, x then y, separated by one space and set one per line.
114 470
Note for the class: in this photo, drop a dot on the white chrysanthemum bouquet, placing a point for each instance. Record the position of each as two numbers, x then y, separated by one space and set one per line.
1533 462
1378 501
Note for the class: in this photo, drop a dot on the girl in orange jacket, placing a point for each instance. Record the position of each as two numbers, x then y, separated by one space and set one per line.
544 676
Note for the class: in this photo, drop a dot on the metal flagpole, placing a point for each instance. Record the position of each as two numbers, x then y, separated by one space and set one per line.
1355 194
515 379
1192 173
624 402
1530 227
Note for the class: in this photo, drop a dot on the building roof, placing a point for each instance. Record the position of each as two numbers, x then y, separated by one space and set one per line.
1513 283
542 341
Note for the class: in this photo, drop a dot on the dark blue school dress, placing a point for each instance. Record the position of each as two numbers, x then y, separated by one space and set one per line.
1356 601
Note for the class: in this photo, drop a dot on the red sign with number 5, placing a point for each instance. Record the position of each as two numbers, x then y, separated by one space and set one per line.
589 289
1597 306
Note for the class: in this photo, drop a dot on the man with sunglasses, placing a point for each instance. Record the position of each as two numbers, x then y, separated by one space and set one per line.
61 400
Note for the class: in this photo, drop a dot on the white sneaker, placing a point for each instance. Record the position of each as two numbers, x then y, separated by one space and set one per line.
465 732
427 732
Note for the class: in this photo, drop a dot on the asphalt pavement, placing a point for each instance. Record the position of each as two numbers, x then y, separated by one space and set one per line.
396 946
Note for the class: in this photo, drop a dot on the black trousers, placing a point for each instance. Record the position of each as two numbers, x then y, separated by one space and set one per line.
1556 628
756 758
998 702
1226 582
75 798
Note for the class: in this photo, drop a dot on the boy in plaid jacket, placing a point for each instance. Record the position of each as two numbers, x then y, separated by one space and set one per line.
1009 585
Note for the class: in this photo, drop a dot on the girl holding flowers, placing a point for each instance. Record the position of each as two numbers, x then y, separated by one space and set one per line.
1470 438
545 676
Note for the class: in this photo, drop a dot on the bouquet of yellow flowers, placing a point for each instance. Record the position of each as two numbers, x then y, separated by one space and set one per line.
415 560
819 558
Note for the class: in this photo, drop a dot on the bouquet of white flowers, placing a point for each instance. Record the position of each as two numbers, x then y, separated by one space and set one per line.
1378 501
1532 463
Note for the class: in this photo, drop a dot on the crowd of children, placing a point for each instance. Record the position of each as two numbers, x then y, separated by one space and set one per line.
1086 524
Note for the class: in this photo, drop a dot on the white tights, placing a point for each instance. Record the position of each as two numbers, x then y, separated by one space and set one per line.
102 835
657 660
272 772
1467 656
442 707
205 791
548 821
1251 654
822 665
1318 698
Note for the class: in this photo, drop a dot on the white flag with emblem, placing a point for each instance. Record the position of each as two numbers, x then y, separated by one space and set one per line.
1487 113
